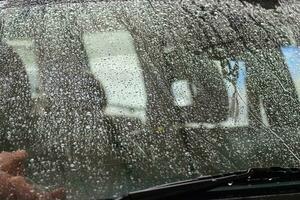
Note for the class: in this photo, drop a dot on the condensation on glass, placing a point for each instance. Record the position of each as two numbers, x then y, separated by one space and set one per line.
111 97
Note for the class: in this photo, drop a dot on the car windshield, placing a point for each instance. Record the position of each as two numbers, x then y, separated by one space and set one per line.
108 97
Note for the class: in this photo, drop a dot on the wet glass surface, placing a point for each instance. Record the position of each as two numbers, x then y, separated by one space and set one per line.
110 97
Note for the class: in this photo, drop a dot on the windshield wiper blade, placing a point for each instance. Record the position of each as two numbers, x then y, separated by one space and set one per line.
204 184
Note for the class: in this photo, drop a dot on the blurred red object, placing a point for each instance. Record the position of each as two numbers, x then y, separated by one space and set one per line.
13 185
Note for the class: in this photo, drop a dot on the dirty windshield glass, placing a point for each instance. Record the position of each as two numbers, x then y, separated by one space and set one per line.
109 97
